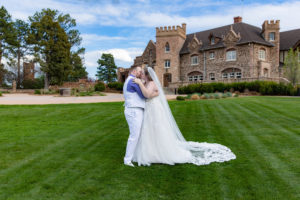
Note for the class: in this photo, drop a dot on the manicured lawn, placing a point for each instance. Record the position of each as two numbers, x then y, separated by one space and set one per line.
76 152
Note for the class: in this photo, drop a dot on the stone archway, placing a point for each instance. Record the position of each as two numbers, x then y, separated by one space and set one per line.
167 79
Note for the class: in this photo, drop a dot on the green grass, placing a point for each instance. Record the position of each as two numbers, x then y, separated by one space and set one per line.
76 152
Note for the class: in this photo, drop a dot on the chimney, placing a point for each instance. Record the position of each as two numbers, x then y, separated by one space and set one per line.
237 19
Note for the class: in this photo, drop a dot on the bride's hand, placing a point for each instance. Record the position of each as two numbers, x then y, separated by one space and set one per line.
137 81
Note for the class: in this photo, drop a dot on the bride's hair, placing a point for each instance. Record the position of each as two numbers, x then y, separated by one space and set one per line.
147 74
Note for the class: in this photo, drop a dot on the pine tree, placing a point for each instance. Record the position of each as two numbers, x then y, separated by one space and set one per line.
106 70
7 33
19 49
78 70
51 44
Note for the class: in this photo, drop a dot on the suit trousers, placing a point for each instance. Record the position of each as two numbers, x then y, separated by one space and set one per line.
134 117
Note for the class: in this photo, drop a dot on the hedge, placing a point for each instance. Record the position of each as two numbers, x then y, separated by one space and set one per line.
116 85
263 87
37 83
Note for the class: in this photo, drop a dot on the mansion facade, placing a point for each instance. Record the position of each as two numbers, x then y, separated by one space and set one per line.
236 52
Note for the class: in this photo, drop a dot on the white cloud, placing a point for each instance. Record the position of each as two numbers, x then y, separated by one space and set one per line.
123 57
149 14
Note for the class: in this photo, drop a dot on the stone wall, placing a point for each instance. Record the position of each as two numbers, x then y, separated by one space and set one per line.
175 37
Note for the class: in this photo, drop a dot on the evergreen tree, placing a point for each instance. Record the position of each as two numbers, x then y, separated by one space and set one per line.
106 70
78 70
292 66
19 49
7 33
51 44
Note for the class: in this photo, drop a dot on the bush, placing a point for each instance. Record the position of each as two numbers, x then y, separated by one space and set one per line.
216 96
180 98
100 86
0 94
37 83
263 87
37 91
116 85
195 97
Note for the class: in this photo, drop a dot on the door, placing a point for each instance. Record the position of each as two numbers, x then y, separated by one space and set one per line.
167 79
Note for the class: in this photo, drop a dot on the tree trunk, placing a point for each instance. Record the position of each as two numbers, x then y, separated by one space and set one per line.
19 69
46 86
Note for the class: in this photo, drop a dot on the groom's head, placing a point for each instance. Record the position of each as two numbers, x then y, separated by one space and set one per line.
136 71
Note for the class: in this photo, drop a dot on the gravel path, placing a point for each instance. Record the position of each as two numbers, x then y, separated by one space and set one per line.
27 99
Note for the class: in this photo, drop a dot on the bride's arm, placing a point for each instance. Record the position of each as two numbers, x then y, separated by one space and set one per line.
149 92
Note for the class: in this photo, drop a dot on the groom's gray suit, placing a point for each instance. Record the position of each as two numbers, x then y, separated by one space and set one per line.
134 114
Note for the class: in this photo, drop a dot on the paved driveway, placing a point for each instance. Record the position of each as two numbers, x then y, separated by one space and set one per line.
18 99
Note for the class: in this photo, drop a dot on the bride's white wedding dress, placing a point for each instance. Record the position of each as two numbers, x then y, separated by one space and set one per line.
162 142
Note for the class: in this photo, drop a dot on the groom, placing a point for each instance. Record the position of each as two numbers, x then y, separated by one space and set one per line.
134 112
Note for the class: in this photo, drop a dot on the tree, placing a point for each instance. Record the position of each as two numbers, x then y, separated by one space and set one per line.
78 70
3 73
19 49
106 70
292 66
7 33
51 45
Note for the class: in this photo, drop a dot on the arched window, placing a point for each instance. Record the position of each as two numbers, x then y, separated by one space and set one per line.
262 54
195 76
231 73
231 55
167 47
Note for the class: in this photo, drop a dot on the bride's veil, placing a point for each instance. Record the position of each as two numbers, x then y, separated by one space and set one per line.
166 107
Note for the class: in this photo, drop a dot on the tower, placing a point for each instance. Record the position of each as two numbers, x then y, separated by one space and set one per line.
169 41
270 31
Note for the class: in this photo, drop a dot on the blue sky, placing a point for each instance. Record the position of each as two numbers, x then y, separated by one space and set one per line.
124 28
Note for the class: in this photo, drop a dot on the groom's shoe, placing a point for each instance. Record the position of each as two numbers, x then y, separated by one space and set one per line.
129 164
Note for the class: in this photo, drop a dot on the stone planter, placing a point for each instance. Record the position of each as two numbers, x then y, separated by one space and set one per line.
65 92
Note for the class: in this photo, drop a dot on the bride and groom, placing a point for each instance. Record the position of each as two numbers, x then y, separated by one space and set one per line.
154 135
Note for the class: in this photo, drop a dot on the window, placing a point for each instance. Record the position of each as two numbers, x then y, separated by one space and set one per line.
212 40
239 75
262 54
195 78
212 55
167 48
224 75
231 55
212 76
167 63
271 36
194 60
231 74
190 78
200 77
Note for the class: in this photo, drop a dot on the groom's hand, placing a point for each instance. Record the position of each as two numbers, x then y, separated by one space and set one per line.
137 81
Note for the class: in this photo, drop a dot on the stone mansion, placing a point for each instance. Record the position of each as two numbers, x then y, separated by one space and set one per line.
236 52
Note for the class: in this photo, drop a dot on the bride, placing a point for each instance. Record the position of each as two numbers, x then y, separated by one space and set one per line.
161 140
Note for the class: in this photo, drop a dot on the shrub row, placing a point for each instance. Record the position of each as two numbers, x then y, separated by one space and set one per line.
116 85
36 83
263 87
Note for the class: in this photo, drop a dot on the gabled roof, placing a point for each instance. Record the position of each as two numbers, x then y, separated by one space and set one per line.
288 39
247 32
